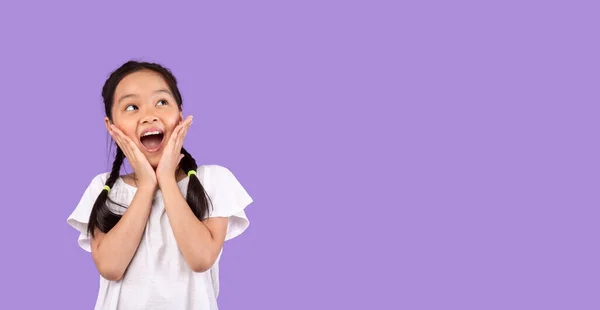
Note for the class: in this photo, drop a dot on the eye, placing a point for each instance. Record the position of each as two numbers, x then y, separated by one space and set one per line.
130 106
162 100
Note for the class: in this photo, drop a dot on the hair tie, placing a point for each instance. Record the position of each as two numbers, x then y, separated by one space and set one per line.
192 172
107 188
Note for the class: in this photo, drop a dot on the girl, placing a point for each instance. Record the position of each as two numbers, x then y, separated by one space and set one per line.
156 235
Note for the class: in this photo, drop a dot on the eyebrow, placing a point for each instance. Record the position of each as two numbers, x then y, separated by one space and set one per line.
135 95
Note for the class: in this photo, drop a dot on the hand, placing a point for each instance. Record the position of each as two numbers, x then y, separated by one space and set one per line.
171 156
138 161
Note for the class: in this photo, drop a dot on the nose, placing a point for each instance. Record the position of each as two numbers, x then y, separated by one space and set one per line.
148 118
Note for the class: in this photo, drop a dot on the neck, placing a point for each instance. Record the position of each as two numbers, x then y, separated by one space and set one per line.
180 175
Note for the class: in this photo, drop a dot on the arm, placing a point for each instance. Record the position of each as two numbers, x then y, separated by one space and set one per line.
112 252
200 242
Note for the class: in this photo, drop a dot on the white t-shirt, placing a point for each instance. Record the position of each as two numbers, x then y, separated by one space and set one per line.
158 277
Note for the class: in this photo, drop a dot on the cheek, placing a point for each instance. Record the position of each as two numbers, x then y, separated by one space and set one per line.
128 127
129 132
172 122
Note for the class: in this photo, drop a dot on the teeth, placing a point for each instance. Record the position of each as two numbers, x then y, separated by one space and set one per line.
151 133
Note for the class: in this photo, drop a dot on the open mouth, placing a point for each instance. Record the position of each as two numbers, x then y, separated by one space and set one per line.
152 140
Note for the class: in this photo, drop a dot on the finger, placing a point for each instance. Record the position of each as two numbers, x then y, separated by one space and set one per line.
183 134
183 130
119 140
123 147
129 144
123 143
112 135
188 120
175 134
115 137
134 149
187 124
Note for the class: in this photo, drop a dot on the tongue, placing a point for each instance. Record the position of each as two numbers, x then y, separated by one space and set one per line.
152 141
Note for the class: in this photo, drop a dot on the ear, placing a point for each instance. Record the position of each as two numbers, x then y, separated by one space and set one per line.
107 123
180 116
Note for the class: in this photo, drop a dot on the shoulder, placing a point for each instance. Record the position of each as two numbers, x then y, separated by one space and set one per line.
96 184
100 179
228 197
214 170
218 178
215 175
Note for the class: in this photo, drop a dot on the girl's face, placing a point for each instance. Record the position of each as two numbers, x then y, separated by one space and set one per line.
143 104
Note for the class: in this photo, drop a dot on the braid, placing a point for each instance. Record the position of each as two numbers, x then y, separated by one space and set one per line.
116 168
196 195
101 216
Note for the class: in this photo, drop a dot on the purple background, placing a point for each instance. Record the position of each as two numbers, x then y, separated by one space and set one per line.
439 155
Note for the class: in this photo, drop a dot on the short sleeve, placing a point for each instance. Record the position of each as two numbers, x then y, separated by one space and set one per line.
229 199
79 218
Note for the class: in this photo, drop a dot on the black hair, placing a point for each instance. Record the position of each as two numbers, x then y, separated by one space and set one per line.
197 198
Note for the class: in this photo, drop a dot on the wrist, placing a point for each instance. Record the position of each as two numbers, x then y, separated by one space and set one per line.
147 188
166 179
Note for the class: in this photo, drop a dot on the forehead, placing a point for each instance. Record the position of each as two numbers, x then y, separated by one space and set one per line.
140 83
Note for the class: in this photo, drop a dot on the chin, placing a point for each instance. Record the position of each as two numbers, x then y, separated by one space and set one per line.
153 163
153 160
